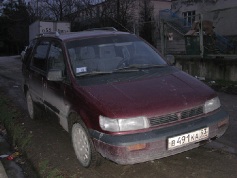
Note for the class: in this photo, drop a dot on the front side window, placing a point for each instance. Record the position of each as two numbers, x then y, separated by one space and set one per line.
40 55
55 57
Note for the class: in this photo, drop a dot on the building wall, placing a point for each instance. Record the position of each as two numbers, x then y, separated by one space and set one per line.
221 12
160 5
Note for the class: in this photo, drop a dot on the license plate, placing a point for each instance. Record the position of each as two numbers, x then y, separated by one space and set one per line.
191 137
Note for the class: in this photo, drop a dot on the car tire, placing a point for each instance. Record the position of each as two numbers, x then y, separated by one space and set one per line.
30 105
83 146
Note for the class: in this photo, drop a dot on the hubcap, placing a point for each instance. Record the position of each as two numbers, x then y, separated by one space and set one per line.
81 144
30 105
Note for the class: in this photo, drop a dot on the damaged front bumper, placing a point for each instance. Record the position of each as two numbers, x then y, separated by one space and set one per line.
147 146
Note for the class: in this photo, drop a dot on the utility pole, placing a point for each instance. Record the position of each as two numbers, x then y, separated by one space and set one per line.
118 9
162 36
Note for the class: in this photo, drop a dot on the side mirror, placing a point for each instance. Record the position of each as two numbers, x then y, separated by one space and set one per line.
55 75
170 59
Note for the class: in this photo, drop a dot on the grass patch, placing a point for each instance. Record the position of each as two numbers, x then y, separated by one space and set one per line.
20 138
15 130
47 171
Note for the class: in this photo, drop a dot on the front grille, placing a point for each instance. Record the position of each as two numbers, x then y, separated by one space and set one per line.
192 112
154 121
163 119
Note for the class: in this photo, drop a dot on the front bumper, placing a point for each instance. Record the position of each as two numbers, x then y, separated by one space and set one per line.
154 143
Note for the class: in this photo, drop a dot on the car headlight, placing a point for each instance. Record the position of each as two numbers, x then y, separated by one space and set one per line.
117 125
212 105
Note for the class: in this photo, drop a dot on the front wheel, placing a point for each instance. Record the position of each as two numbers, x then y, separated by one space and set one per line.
83 146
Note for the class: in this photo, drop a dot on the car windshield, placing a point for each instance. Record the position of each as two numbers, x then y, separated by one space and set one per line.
115 53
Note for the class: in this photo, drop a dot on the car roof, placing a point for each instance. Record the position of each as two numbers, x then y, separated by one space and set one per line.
82 34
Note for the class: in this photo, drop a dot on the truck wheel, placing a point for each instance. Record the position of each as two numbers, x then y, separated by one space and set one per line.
30 105
83 146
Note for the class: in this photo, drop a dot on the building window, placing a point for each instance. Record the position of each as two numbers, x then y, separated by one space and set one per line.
189 18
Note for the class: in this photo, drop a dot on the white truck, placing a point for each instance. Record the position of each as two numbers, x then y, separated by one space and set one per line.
39 27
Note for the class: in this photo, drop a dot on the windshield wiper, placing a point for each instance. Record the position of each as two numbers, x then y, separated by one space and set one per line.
137 67
93 73
126 69
145 66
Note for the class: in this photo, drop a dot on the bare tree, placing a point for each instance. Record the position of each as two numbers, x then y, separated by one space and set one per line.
119 13
146 20
14 25
58 9
88 8
37 11
54 9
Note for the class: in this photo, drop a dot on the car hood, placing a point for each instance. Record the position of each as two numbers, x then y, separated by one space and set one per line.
149 96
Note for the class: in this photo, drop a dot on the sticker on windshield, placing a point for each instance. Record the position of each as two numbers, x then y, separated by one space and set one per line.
81 69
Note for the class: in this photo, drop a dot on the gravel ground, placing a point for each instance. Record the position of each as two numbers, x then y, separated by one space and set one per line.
51 143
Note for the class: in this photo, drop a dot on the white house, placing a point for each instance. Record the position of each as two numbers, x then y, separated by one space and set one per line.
221 12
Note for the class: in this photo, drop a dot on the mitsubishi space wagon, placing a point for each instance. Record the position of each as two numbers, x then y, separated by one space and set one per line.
118 98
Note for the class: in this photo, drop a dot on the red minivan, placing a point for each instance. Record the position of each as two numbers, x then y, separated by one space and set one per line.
117 97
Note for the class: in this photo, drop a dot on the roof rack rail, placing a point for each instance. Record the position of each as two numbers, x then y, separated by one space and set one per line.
103 28
56 33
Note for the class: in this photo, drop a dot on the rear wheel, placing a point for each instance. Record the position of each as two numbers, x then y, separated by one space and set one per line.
83 146
30 105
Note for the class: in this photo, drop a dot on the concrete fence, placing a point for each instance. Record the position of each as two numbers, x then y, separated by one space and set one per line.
211 68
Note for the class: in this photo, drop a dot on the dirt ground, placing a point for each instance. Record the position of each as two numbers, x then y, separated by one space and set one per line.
52 144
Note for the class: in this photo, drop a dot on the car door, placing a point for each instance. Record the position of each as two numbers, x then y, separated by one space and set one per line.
38 69
53 91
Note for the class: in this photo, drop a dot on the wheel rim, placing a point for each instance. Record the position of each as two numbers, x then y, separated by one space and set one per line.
30 105
81 144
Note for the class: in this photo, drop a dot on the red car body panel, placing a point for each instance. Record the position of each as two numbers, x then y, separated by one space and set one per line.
149 97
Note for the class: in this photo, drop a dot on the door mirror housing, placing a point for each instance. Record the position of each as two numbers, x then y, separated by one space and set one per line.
55 75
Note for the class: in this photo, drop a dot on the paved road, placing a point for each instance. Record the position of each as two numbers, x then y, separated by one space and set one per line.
217 159
228 141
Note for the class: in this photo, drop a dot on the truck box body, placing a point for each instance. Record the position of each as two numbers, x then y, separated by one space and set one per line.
39 27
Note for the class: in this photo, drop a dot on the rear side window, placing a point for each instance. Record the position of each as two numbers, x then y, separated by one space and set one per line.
40 55
29 50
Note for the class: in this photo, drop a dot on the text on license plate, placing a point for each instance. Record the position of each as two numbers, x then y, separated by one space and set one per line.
184 139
